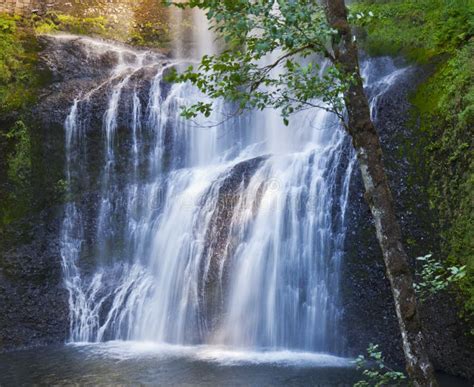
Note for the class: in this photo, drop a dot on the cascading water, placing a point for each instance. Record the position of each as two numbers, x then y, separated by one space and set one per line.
199 232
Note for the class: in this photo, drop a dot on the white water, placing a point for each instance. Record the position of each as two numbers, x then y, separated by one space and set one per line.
228 234
124 350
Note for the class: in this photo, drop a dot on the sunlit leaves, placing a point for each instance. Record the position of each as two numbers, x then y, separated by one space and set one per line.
271 56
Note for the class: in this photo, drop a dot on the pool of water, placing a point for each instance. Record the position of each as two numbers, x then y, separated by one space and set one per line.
131 363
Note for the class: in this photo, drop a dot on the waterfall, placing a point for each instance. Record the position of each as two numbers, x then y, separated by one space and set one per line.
220 231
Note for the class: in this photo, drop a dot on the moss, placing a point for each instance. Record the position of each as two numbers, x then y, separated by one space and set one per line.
445 108
19 78
19 163
22 183
418 29
439 32
147 32
19 166
53 22
20 82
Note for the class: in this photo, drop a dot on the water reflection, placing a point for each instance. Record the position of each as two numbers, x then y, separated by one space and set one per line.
130 363
133 363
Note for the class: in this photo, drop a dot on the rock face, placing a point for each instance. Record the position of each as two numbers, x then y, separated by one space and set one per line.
219 244
22 7
369 312
115 10
33 301
77 64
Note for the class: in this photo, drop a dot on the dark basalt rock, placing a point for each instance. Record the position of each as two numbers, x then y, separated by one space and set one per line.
33 302
76 73
219 243
369 312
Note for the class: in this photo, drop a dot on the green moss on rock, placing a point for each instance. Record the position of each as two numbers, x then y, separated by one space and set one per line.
439 32
445 107
24 183
53 22
15 188
420 30
147 30
20 81
19 76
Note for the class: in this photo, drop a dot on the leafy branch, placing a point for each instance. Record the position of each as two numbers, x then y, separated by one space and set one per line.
270 60
435 277
376 372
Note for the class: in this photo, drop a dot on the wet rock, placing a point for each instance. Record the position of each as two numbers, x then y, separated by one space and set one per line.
369 312
33 301
219 244
82 68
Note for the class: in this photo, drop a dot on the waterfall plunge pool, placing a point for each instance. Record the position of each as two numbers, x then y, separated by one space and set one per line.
147 363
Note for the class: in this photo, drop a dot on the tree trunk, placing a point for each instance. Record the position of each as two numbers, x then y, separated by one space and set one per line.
377 193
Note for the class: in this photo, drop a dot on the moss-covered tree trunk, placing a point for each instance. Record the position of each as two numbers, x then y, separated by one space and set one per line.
377 193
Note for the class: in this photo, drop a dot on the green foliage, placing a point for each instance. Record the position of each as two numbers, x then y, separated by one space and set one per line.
19 83
18 77
75 25
267 60
417 29
445 110
146 33
19 171
376 372
150 34
438 31
19 162
435 277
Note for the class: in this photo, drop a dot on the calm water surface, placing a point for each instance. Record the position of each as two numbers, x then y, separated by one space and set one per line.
129 363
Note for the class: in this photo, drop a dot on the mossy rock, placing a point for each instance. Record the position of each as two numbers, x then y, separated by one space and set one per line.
440 33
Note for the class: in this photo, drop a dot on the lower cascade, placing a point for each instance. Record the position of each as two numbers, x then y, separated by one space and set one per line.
227 230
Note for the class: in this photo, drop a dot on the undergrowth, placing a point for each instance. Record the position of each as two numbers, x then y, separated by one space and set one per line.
19 78
147 33
420 30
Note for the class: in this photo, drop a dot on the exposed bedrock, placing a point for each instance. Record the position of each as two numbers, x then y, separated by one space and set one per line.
83 68
369 314
219 243
33 301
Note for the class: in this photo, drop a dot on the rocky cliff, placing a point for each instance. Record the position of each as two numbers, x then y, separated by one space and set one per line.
369 310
